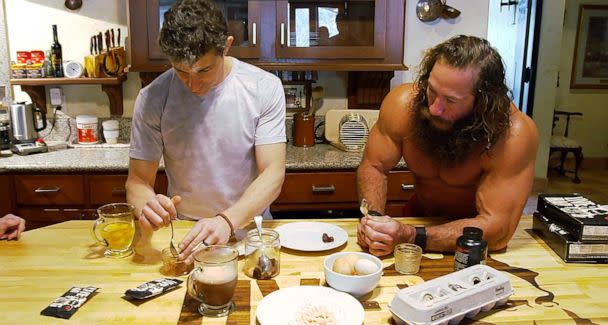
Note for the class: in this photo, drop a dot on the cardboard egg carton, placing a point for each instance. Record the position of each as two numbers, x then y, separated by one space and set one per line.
452 297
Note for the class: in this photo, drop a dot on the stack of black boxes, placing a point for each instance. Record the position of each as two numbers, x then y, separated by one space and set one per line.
575 227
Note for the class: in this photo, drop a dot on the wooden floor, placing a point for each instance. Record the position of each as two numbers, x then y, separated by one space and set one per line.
594 185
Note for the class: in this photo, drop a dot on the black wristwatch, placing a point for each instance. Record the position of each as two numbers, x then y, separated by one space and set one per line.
420 239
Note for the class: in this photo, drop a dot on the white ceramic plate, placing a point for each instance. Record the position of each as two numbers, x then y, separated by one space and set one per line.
308 236
282 306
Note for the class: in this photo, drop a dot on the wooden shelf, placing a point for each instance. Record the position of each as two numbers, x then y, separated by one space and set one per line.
34 87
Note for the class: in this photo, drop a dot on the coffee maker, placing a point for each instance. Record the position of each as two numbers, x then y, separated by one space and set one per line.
25 130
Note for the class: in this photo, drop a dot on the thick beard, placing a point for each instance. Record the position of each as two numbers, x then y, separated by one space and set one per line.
449 147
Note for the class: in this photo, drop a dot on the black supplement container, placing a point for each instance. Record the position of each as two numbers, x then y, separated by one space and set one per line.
471 249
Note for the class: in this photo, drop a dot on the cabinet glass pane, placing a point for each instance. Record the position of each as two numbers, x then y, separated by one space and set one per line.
330 23
235 11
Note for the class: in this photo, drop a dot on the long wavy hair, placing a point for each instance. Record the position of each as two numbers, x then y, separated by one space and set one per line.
192 28
490 117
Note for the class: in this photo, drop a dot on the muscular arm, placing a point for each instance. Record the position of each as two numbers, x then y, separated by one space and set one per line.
383 149
502 192
270 159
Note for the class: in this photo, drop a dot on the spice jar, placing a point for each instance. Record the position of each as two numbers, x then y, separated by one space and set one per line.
263 255
172 266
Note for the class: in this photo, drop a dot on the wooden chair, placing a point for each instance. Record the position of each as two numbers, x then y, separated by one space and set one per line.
563 144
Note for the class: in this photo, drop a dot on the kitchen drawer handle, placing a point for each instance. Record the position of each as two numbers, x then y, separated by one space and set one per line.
119 191
50 210
282 34
407 187
42 190
323 189
255 34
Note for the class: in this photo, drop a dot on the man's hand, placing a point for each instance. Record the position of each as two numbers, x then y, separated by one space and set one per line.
208 231
382 233
361 238
11 227
158 212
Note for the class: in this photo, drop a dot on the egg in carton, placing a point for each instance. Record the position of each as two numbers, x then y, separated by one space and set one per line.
452 297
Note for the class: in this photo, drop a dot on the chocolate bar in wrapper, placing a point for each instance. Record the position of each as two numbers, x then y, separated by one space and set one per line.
66 305
152 288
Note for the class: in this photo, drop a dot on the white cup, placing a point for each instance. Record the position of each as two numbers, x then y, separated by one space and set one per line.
111 136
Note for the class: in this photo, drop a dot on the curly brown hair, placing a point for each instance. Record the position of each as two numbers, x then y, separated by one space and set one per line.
491 108
192 28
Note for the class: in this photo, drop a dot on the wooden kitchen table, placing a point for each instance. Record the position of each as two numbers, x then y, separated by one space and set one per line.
48 261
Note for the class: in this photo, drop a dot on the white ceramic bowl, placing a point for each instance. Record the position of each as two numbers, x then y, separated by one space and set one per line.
356 285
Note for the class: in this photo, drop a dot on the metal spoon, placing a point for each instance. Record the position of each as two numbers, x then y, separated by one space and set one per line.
172 247
263 262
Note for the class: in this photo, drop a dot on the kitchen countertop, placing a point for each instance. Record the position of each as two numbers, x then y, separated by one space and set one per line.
104 159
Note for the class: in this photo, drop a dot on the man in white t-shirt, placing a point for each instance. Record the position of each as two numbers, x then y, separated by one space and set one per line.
219 125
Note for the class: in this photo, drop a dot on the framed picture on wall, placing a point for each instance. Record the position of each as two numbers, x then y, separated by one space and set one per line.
590 63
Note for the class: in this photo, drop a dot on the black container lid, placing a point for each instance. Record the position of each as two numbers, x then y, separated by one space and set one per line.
472 232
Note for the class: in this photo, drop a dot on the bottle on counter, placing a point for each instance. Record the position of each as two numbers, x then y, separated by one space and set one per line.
56 55
471 249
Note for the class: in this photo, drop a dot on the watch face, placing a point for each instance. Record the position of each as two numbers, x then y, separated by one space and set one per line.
73 69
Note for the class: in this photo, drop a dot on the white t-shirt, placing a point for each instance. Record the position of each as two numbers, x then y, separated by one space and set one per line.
207 142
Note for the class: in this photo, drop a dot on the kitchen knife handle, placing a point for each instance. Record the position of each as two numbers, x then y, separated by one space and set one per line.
112 37
91 45
254 32
42 190
95 44
407 187
323 189
118 38
99 42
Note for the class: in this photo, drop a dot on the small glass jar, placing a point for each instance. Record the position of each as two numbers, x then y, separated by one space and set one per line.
407 258
172 266
262 255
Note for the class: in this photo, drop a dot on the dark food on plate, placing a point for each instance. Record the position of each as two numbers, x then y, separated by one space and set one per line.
327 238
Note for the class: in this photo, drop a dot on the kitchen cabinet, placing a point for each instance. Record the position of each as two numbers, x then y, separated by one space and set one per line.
45 199
310 191
364 35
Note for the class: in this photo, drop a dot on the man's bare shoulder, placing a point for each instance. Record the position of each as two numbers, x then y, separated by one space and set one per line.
519 145
395 110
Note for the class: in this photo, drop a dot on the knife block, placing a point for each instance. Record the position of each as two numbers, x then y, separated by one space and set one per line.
113 62
92 65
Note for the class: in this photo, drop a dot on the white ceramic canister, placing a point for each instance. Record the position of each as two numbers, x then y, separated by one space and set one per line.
87 129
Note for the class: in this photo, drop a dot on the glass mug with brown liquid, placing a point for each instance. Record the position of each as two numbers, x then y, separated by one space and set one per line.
115 229
213 280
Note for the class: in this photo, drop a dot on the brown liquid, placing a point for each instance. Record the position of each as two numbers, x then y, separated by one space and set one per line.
215 294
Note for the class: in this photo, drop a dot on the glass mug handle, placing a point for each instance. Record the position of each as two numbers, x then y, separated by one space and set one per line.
191 290
97 222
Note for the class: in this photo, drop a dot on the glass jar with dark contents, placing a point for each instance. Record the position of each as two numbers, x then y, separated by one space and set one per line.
262 254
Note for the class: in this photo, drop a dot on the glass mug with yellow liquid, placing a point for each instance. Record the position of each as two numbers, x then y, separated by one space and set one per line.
115 229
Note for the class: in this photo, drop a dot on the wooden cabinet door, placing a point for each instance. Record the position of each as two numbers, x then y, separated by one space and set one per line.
106 189
50 190
36 217
244 19
400 186
318 187
331 29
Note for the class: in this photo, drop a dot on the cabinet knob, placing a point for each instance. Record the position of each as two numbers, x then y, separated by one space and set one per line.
323 189
407 187
42 190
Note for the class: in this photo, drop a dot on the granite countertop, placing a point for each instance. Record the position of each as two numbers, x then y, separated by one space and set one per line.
104 159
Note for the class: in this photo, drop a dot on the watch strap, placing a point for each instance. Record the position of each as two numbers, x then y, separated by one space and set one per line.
420 238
